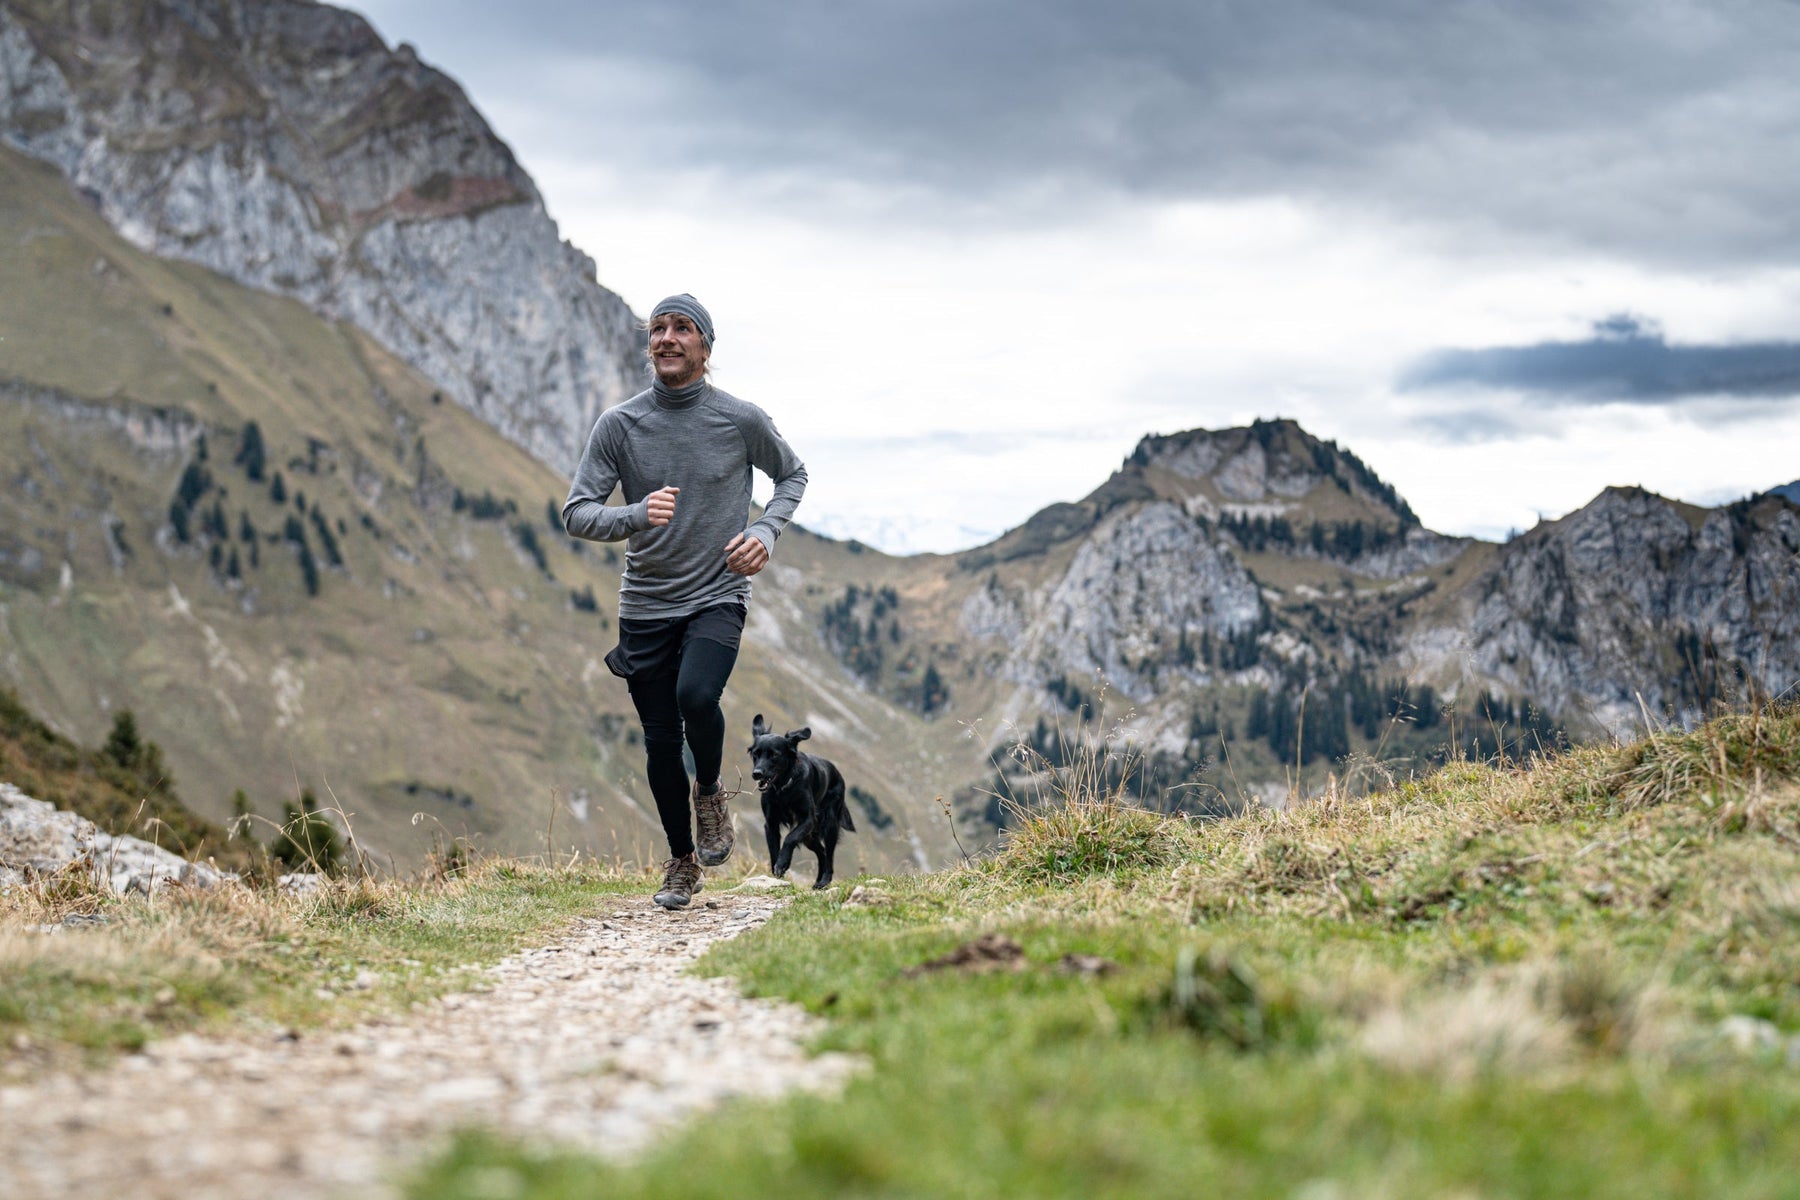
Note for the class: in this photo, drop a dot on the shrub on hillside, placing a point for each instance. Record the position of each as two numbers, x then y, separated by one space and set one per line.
307 841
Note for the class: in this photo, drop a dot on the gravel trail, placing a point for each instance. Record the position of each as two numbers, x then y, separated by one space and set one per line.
598 1041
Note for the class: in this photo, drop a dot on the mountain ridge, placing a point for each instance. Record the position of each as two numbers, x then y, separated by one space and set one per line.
283 145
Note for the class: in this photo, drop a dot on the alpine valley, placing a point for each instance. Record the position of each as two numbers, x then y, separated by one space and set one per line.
293 364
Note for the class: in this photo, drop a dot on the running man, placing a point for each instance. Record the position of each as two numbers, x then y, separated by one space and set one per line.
681 452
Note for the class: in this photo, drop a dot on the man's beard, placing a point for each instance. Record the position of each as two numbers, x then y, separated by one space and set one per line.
685 370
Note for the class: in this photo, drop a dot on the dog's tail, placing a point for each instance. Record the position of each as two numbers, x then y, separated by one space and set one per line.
834 790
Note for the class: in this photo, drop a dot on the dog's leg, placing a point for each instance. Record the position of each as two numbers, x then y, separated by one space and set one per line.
772 833
827 851
831 814
795 836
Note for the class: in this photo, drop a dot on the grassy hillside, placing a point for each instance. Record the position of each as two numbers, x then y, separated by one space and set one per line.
1576 976
367 596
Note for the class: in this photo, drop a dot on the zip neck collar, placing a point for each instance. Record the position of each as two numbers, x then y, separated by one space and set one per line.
680 397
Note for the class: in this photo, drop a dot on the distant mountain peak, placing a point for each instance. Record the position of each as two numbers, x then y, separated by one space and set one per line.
1267 459
1267 469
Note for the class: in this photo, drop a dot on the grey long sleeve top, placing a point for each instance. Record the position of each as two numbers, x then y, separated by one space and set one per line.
703 441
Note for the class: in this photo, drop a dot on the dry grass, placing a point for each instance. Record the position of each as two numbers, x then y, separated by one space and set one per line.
1339 854
1682 843
83 971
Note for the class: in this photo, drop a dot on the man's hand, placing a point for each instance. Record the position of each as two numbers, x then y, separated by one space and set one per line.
662 505
745 555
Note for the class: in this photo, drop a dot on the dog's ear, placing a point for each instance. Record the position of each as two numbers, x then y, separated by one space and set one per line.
757 728
800 734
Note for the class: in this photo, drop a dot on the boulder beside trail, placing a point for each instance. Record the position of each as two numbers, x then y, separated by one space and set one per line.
38 839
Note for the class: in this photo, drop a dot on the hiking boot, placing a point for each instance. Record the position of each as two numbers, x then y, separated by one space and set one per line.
681 879
713 836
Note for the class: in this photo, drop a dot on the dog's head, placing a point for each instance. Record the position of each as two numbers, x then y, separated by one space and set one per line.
772 754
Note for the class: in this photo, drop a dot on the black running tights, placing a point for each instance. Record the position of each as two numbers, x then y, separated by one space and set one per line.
669 706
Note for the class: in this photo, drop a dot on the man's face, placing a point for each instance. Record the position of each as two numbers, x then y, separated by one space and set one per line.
677 350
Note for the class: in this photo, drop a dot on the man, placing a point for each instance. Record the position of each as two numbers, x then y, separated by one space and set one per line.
682 452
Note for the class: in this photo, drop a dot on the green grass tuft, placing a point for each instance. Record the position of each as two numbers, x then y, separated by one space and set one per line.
1102 836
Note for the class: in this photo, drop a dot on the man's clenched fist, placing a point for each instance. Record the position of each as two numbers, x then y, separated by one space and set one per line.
661 504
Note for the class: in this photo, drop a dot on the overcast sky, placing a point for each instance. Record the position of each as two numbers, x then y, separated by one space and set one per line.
967 253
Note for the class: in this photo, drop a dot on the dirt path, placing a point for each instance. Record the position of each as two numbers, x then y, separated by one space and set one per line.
598 1040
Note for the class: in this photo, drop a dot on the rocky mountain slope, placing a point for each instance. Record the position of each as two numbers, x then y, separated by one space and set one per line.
1634 604
280 143
1246 602
301 569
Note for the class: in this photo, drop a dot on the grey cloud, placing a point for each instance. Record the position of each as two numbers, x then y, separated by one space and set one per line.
1659 129
1474 425
1627 359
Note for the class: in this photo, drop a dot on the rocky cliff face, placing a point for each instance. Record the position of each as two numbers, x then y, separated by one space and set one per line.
1159 561
1145 583
282 144
1633 605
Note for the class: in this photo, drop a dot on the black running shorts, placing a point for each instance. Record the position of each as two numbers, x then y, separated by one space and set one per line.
649 648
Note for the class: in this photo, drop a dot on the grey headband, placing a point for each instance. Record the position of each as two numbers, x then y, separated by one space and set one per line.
690 308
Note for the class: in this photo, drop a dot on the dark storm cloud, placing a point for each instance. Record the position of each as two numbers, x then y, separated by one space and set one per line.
1660 129
1627 359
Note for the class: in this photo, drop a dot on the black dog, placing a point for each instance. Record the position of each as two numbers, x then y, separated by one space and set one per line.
801 790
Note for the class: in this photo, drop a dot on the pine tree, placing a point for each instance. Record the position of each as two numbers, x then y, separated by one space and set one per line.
250 453
1257 724
309 569
123 745
932 693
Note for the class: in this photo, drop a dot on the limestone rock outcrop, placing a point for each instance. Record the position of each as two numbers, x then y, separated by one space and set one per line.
1139 585
38 839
